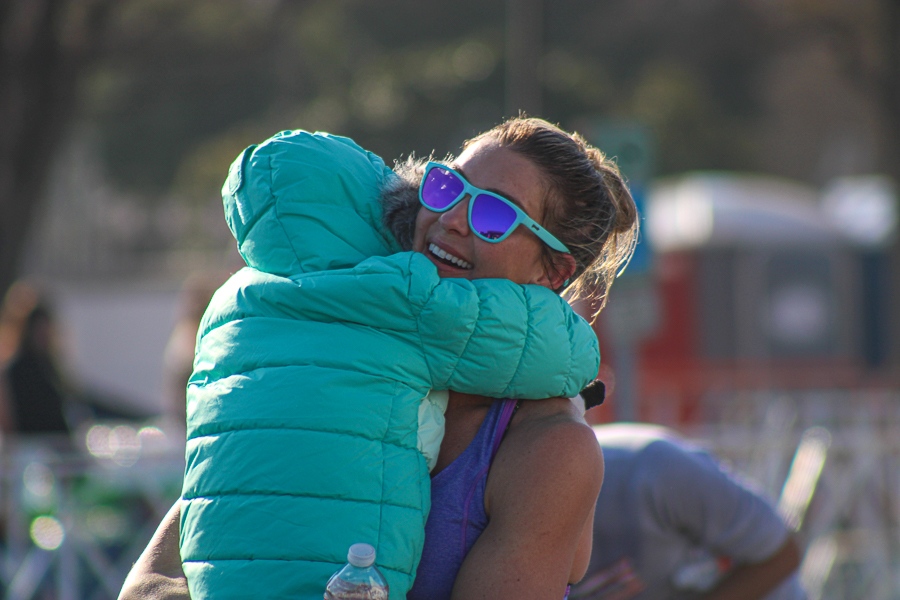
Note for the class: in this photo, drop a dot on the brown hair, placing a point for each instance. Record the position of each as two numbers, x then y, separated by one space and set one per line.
588 208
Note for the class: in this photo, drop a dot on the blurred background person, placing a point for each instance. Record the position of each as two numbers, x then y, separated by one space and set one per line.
34 394
672 522
178 357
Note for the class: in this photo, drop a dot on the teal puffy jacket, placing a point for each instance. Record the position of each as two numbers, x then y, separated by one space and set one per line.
310 367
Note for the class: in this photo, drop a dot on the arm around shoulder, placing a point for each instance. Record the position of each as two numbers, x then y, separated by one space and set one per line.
520 341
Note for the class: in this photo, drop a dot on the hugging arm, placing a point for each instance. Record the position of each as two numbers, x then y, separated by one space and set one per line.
490 336
157 574
525 341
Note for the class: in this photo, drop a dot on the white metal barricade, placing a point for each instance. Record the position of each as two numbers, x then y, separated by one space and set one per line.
76 513
850 521
74 516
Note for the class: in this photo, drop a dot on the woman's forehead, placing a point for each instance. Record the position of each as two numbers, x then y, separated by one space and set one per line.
490 166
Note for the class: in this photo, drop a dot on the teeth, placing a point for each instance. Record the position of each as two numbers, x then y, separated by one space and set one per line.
447 256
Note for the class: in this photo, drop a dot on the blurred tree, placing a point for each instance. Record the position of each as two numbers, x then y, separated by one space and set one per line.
45 46
180 74
864 40
211 77
686 69
176 89
398 79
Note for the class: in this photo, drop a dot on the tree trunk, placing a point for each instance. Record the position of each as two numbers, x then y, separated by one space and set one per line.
891 84
890 88
41 56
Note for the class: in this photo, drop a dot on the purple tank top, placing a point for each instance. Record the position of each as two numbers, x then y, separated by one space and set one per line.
457 514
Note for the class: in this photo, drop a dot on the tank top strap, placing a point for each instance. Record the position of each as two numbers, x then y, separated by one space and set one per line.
507 410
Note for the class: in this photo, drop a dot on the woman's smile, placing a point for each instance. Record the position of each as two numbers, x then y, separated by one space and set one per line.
443 258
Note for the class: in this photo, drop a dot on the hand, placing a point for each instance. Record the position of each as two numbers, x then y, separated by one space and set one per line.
753 581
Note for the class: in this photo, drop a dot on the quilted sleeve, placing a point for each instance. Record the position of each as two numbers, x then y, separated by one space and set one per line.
490 337
508 341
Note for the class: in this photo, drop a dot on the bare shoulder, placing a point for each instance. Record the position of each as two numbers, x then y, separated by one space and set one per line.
157 574
548 447
540 497
552 429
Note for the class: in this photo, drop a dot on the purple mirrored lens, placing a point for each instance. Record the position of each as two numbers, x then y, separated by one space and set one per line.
491 217
441 188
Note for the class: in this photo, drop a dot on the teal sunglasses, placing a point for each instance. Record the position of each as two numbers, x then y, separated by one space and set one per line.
491 217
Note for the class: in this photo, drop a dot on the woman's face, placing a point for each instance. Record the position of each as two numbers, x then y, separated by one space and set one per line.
489 166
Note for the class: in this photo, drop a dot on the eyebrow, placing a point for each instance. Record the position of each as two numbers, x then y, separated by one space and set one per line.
512 199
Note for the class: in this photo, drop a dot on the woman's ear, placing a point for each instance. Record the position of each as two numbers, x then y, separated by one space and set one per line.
560 273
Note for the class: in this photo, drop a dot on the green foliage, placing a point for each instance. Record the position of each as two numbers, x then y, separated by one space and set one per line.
184 86
179 74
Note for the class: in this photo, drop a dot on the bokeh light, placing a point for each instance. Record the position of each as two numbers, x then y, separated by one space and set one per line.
121 443
97 441
39 479
47 532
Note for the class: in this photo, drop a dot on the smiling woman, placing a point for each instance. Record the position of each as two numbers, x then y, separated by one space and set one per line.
276 490
573 192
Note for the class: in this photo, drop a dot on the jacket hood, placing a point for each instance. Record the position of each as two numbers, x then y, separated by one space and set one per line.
291 212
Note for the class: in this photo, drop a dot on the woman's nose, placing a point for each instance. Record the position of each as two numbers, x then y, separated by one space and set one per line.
457 218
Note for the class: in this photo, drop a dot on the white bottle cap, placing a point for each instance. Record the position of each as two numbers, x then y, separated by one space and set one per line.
361 555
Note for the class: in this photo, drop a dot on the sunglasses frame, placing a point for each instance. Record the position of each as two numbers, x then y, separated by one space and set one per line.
473 192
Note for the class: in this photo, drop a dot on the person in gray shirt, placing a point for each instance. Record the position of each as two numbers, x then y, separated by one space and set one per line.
671 522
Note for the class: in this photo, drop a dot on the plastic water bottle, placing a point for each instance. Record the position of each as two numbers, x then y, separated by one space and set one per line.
359 579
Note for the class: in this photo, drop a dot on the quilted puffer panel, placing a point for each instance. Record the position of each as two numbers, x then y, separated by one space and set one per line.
303 542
